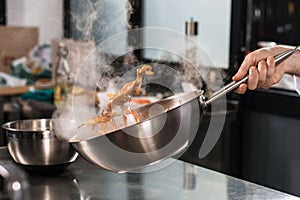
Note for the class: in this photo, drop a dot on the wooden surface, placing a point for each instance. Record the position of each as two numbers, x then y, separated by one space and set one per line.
11 91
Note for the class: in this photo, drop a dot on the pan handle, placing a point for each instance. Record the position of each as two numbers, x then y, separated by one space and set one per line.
279 58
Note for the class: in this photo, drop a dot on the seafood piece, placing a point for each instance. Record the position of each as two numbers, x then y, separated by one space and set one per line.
119 99
102 119
123 95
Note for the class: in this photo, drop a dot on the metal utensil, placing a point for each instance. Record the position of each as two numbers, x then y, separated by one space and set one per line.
33 144
158 136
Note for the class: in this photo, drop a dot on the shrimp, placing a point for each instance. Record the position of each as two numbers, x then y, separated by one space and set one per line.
119 99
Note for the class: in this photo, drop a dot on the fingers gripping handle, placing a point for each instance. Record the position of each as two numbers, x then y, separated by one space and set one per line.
279 58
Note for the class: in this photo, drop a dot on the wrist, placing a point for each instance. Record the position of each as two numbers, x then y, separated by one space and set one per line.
292 64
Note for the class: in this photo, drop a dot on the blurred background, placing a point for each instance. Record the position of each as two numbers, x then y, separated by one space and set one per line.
259 141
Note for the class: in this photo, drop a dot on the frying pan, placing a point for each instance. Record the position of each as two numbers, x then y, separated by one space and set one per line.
160 134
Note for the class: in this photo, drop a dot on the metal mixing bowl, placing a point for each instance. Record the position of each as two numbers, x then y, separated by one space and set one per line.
33 143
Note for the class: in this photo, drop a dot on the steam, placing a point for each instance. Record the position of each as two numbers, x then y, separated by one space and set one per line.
97 20
93 21
84 21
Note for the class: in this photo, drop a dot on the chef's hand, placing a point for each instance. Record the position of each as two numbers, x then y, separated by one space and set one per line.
260 66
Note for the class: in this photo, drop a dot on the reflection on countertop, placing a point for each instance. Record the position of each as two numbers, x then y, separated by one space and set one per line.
179 180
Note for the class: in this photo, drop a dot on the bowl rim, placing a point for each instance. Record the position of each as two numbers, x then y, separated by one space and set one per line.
6 126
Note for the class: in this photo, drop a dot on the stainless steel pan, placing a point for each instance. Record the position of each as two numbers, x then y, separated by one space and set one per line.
159 135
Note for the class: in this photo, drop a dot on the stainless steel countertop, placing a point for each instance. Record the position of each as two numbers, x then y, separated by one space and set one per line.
179 180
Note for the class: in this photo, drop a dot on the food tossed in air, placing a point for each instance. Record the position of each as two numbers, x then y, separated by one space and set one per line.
123 95
119 99
102 119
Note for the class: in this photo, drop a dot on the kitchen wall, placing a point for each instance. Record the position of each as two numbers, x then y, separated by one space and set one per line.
47 15
214 23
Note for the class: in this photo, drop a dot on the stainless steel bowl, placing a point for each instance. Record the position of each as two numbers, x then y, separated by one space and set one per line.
34 143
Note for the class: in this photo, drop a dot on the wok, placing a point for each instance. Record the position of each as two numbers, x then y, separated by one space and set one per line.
160 135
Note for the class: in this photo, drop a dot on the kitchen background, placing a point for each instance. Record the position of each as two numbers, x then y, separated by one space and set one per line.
260 138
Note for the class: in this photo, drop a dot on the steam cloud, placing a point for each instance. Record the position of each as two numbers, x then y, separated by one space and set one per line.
92 20
99 19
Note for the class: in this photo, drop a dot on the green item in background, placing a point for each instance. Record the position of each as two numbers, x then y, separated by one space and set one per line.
20 72
39 95
35 65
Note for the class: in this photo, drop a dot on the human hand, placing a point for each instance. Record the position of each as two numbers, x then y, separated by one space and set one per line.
260 67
